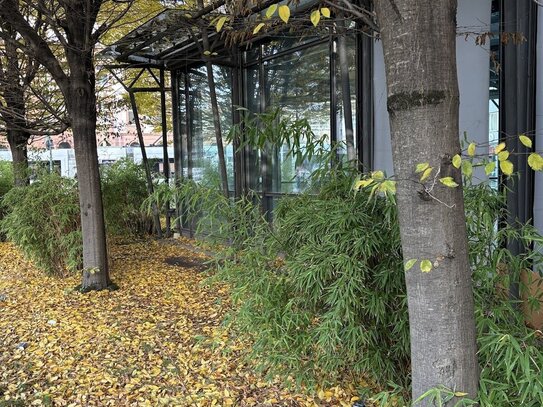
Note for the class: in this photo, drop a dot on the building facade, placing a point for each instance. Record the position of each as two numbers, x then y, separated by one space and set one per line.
299 71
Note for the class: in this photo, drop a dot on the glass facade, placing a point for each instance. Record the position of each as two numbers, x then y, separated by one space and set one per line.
200 146
301 77
494 91
299 84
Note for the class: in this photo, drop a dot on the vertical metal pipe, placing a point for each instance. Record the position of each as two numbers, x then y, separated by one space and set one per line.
165 156
365 122
177 143
150 189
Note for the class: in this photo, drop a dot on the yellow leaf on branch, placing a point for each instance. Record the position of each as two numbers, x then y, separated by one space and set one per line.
315 17
506 167
284 13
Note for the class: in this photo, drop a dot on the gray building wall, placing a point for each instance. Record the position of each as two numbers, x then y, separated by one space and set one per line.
473 81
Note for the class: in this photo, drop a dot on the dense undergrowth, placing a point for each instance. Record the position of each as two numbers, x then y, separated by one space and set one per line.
124 190
321 292
6 183
43 218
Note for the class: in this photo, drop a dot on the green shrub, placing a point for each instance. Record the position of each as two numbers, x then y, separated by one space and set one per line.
43 220
510 353
6 177
6 183
321 292
335 301
123 192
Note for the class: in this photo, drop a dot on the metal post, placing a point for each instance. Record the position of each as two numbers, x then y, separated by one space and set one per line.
156 214
166 159
177 142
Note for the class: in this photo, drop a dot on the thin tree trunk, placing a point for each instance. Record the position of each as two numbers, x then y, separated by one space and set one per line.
419 41
346 92
215 109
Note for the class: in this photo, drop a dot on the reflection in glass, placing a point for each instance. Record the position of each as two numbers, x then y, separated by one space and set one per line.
340 121
299 84
494 91
182 111
205 160
252 97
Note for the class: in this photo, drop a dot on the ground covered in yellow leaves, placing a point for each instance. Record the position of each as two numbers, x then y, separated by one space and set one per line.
158 340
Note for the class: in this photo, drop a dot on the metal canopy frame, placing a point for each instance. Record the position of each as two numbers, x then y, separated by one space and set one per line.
171 41
167 40
160 82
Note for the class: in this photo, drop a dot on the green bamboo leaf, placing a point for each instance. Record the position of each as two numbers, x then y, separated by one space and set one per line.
220 23
258 28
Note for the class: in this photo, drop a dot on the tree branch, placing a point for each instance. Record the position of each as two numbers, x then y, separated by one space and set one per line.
40 49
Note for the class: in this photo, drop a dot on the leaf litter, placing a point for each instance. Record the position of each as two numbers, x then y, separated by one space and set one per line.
157 341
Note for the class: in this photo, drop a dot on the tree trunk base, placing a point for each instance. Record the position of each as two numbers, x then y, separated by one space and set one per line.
86 289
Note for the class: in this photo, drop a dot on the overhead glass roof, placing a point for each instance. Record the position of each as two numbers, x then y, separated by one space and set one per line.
171 39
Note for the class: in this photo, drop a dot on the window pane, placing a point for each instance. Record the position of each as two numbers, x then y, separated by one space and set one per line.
340 119
298 83
205 159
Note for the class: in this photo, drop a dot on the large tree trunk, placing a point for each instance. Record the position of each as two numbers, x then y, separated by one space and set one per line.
419 46
81 105
78 87
18 140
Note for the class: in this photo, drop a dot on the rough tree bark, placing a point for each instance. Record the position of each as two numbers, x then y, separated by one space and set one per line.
18 141
81 106
77 83
423 101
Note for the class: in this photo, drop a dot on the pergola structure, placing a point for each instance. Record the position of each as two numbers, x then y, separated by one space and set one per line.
174 41
296 67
